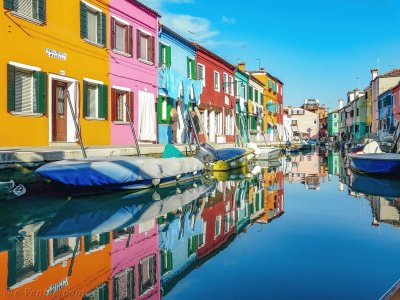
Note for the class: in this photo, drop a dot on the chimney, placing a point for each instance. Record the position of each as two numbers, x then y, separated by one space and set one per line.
242 66
350 96
374 73
262 69
340 103
356 93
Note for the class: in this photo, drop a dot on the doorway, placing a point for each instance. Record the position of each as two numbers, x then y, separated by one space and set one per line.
59 111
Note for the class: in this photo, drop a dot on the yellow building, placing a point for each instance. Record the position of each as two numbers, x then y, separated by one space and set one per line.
368 96
52 49
270 101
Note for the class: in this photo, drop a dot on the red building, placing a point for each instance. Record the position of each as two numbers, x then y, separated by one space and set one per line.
396 102
219 217
217 103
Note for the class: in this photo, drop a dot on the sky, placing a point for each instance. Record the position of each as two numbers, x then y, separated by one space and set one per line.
317 48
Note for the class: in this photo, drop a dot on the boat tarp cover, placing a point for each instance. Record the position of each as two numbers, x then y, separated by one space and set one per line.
117 170
225 154
172 151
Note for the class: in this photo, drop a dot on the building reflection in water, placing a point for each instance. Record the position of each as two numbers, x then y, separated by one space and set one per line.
147 257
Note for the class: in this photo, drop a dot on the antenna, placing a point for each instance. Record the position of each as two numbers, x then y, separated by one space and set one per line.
379 59
244 52
259 63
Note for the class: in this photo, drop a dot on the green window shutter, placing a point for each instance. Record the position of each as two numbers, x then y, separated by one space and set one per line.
168 56
188 67
87 239
103 29
104 238
8 4
83 20
41 255
42 10
169 260
10 88
193 66
103 101
159 110
103 293
41 92
85 99
12 267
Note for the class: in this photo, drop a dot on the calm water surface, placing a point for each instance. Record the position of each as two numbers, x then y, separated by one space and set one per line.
307 229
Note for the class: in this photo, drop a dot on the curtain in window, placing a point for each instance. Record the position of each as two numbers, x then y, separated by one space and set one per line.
92 26
120 35
143 47
147 117
92 98
25 7
120 106
25 93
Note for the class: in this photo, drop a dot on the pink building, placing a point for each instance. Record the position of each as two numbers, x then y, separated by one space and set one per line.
135 263
133 70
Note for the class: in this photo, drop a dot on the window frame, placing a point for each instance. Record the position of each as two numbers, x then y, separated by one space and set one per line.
217 85
204 73
101 22
116 21
225 83
217 234
41 7
231 86
150 50
98 84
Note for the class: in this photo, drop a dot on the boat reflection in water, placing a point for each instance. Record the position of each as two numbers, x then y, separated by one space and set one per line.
132 246
383 194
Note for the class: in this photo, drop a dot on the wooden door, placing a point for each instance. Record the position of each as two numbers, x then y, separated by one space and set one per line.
60 110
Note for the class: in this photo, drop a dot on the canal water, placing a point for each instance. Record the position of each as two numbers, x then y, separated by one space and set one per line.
302 227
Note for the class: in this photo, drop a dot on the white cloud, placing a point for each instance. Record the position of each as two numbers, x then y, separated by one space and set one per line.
228 20
194 28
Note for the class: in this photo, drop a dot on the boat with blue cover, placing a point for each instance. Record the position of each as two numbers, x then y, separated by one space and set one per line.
376 164
118 172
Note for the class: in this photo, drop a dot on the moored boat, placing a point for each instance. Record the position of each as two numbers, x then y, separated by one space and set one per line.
120 172
383 187
265 153
376 164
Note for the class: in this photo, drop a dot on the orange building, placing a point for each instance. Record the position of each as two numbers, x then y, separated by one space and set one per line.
52 49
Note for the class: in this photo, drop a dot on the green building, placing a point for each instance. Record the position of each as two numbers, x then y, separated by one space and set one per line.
242 83
333 123
359 104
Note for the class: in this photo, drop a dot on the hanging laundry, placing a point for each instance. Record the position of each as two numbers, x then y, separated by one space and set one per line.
173 81
198 89
187 86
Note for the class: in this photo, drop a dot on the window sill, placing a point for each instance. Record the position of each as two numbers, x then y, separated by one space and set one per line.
121 53
145 61
94 119
93 43
121 123
27 18
26 114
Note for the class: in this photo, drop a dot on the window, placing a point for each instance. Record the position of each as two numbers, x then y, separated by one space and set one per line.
227 221
357 111
250 92
121 100
99 293
93 242
165 55
229 125
231 86
124 284
191 68
269 84
217 226
218 122
166 261
27 93
30 9
315 121
225 84
202 236
93 24
335 124
192 245
63 248
147 273
216 81
95 100
123 233
121 36
201 72
334 116
145 47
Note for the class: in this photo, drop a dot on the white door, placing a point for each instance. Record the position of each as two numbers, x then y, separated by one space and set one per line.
211 130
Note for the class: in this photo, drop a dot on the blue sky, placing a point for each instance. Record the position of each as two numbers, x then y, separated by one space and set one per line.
318 48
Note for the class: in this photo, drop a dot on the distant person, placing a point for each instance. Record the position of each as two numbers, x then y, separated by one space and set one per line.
174 123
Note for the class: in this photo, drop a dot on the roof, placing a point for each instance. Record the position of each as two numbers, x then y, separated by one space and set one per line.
146 8
391 73
270 75
213 55
175 35
256 80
